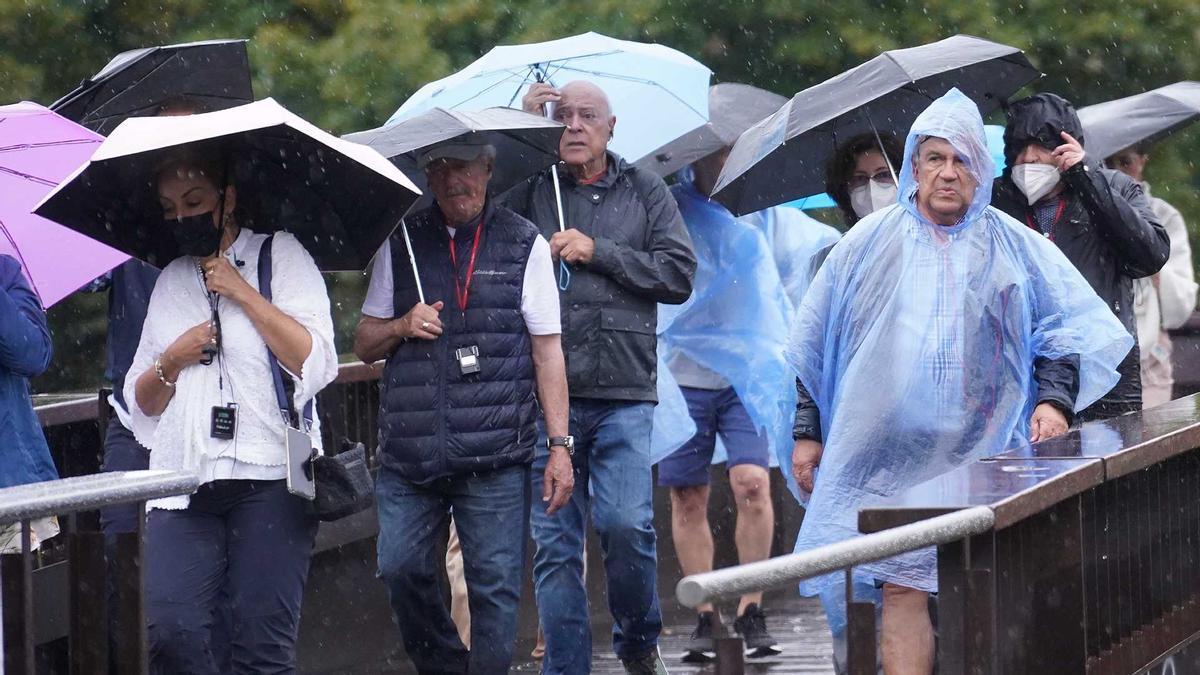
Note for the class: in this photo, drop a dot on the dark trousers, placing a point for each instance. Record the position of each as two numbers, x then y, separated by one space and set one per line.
490 515
245 543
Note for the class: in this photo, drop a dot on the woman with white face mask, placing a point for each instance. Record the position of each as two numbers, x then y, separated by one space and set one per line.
859 178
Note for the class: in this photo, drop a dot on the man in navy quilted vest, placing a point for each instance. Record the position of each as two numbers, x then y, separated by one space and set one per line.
461 389
622 250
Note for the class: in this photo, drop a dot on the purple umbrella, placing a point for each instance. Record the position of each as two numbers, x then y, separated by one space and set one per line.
38 149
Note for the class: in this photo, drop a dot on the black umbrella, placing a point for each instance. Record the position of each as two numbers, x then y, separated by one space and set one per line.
341 200
732 109
215 74
784 156
525 144
1112 126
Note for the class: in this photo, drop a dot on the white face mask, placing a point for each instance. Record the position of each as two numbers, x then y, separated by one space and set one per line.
1035 180
869 198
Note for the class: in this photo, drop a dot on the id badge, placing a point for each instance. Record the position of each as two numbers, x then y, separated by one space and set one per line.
299 455
468 360
224 422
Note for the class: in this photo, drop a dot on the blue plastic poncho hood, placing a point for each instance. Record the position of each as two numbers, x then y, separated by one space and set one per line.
918 343
955 118
735 324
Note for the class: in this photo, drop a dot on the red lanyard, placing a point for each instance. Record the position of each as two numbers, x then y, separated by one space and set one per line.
461 291
1062 206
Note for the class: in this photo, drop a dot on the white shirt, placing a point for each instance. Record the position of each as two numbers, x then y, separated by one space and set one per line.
179 439
539 290
1172 303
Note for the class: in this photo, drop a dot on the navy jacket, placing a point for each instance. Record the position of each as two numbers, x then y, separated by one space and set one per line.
24 353
434 421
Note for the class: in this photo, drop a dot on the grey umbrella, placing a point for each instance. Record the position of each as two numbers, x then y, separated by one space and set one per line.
525 144
1112 126
732 109
783 157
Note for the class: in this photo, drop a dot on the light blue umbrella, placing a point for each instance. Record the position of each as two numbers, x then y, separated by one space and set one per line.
657 93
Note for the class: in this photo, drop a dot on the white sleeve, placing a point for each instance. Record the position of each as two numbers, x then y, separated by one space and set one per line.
539 292
1176 280
299 291
379 301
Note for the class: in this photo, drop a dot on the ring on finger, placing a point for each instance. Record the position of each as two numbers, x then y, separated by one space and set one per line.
424 325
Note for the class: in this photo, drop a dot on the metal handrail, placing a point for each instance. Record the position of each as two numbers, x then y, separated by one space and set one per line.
732 582
83 493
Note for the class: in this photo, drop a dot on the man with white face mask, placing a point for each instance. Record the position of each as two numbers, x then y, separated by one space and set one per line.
1099 218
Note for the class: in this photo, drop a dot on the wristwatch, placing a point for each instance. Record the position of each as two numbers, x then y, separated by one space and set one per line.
567 442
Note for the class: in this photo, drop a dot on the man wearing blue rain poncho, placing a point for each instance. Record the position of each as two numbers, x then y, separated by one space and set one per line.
724 350
938 331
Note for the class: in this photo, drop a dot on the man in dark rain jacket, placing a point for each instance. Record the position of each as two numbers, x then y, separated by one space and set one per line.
624 250
1100 218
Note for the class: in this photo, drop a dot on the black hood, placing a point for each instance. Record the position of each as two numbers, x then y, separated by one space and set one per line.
1039 119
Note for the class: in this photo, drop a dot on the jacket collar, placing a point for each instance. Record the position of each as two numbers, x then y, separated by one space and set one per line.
616 167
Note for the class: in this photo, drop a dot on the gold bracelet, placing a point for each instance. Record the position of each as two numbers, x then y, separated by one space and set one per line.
162 378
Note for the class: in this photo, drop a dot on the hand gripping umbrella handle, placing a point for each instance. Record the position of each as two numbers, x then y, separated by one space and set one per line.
412 259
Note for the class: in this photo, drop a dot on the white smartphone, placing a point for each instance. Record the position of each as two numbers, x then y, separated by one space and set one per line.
299 455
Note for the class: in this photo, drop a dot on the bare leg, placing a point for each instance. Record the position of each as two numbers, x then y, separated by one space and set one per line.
689 528
755 519
907 632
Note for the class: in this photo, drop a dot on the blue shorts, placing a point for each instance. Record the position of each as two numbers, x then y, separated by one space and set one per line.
714 412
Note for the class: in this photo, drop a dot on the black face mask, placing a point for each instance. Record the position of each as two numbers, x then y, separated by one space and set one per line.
196 235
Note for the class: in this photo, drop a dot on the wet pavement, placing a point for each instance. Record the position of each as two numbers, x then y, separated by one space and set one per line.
346 626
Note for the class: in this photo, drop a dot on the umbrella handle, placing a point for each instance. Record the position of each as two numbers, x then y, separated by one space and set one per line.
412 259
562 223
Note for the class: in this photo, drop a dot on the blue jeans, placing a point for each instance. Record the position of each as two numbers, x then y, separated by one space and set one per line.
489 513
239 553
613 483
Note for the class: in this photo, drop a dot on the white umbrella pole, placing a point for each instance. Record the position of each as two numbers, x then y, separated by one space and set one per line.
562 223
412 259
882 150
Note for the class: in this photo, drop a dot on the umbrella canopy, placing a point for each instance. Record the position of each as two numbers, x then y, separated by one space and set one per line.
1115 125
136 83
525 144
783 157
340 199
37 150
732 109
656 92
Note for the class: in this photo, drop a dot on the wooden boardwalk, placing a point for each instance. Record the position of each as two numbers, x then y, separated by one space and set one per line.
344 592
798 624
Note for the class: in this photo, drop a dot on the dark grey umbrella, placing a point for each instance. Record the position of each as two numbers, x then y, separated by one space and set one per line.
525 144
215 74
732 109
1112 126
783 157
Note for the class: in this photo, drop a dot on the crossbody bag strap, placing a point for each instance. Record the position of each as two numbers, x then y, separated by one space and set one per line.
286 409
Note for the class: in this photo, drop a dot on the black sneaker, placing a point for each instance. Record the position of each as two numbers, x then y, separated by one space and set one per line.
646 664
702 648
752 627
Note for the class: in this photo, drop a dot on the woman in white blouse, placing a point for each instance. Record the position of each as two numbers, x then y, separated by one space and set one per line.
238 549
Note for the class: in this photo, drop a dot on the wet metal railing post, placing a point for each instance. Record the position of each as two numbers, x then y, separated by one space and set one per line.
26 503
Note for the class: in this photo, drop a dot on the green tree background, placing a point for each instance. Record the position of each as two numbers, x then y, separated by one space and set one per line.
347 65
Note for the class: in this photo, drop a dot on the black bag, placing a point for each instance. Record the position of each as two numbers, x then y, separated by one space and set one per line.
344 485
343 481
